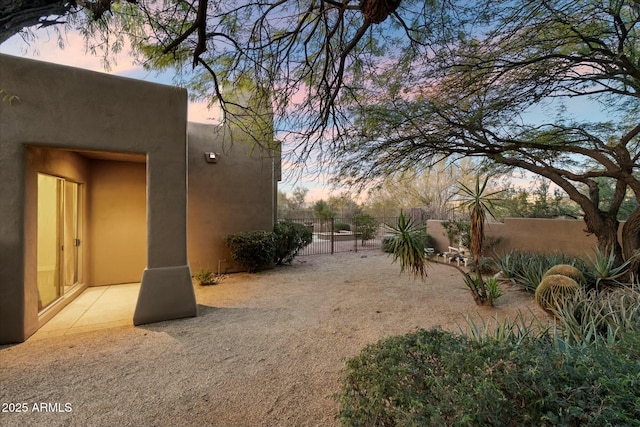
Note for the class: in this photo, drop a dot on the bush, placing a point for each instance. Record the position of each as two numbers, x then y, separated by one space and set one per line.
485 266
435 378
341 226
366 227
253 249
429 241
290 238
458 232
554 290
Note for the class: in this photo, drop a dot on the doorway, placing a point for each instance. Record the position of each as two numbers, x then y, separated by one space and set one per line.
58 238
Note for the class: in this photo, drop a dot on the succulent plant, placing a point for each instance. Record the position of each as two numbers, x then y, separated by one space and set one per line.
553 290
566 270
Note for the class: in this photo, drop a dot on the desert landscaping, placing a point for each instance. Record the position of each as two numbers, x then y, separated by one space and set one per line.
266 349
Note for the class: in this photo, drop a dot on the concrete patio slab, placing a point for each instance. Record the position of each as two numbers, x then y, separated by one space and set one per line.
99 307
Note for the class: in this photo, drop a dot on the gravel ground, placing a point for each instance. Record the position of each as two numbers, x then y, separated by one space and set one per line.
266 349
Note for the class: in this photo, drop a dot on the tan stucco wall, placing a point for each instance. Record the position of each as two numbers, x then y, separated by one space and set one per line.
73 109
237 193
531 234
118 213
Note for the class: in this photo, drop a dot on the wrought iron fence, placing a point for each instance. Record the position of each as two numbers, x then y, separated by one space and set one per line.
345 234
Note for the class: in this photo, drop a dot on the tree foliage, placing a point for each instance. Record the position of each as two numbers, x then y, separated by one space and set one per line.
307 57
536 202
433 189
476 95
323 211
375 87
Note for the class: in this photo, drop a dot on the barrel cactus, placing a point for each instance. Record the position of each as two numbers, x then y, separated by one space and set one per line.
566 270
554 290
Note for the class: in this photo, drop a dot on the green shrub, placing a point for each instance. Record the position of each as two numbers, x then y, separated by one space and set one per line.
458 232
205 277
485 266
290 238
435 378
554 290
429 241
341 226
252 249
366 227
566 270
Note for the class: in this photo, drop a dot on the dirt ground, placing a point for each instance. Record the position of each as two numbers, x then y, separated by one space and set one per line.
265 350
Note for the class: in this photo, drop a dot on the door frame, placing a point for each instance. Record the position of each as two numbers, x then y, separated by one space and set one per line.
66 293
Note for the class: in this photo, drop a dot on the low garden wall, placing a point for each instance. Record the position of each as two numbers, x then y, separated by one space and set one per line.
531 234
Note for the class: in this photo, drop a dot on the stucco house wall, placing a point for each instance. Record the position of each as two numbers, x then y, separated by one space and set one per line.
117 205
236 193
74 116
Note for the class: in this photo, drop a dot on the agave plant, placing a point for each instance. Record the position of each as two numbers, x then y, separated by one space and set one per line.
603 270
592 317
407 246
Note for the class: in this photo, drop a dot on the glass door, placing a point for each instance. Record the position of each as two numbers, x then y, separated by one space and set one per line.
58 252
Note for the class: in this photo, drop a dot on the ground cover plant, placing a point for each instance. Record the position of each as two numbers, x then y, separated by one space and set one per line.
581 369
437 378
206 277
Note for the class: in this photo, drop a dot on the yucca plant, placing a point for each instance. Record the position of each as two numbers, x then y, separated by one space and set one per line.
493 288
407 246
479 204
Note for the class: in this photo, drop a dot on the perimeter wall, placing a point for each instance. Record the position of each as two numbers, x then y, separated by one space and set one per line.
531 234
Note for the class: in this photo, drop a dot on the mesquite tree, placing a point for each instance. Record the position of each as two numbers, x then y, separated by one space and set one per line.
476 95
376 86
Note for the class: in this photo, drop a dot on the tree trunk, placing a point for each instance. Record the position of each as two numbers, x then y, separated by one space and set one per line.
15 15
605 227
631 240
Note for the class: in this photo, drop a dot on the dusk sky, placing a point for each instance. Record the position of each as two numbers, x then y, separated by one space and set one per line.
46 48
